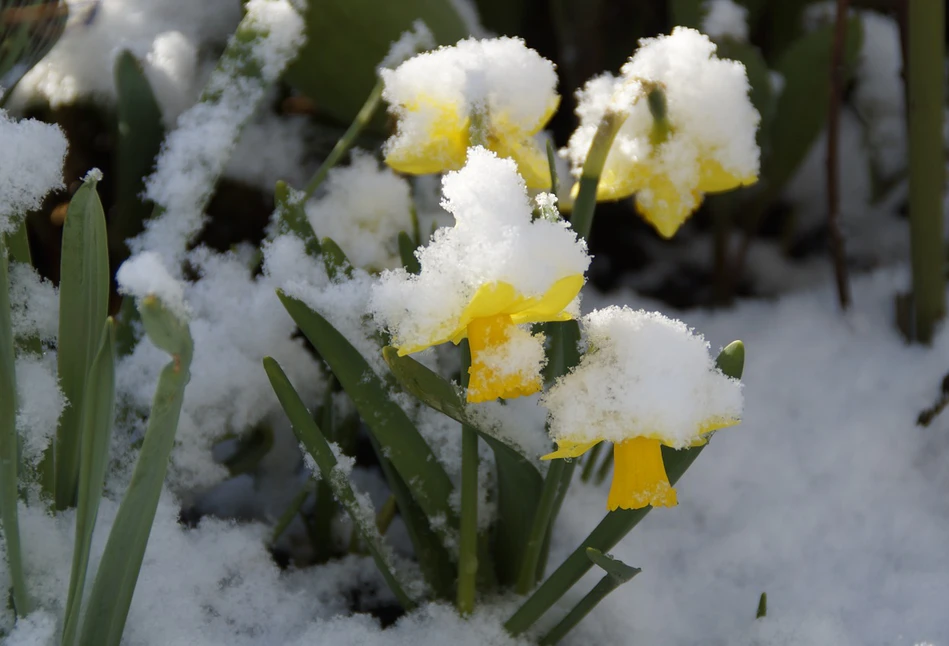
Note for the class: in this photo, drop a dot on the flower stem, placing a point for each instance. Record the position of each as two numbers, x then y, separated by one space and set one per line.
927 50
583 208
527 576
468 540
363 117
833 164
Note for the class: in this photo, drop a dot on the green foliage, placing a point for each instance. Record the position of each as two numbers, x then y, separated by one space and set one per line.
83 305
360 32
111 594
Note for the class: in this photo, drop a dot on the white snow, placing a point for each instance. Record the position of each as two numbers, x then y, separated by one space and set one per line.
31 165
363 209
146 275
725 19
41 402
643 375
34 304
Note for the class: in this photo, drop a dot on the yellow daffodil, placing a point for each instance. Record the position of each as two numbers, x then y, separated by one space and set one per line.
435 96
647 382
692 133
495 270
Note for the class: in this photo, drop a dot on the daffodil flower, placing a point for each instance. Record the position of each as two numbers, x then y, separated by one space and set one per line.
645 382
435 96
484 279
694 134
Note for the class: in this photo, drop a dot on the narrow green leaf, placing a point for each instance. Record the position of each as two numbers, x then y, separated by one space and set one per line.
434 560
519 482
552 166
290 217
97 416
762 606
615 525
612 566
397 436
83 305
309 434
111 594
335 260
360 32
407 254
8 446
140 133
801 109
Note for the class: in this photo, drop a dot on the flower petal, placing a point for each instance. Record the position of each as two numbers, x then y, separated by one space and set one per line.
569 449
639 476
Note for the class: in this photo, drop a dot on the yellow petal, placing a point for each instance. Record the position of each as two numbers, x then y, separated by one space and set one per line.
440 147
531 160
666 208
713 178
639 476
569 449
550 306
620 181
487 384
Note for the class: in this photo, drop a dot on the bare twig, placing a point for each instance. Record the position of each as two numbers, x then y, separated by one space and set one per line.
833 166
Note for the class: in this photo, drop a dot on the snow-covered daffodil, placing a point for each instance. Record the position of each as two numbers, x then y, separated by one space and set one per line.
691 131
485 279
646 381
507 89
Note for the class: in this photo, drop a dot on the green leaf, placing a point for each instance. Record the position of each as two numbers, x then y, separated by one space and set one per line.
762 606
407 254
519 482
309 434
140 133
360 33
612 566
615 525
290 217
801 110
398 438
83 305
97 415
335 260
111 594
687 13
8 447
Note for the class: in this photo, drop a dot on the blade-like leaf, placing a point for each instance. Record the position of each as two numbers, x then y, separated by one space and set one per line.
407 253
83 305
309 434
616 524
519 482
111 594
612 566
399 439
97 416
8 446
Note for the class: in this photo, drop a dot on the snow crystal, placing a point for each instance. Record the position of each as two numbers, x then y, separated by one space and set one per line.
725 19
34 304
644 375
195 154
145 275
41 402
493 240
39 628
707 108
364 208
272 148
31 165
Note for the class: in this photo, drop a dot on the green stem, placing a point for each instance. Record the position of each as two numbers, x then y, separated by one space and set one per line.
592 456
604 469
291 511
468 540
363 117
585 204
8 447
606 585
926 50
527 577
386 515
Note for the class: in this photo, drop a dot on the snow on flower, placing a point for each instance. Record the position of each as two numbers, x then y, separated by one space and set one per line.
646 381
436 94
695 133
494 270
363 210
